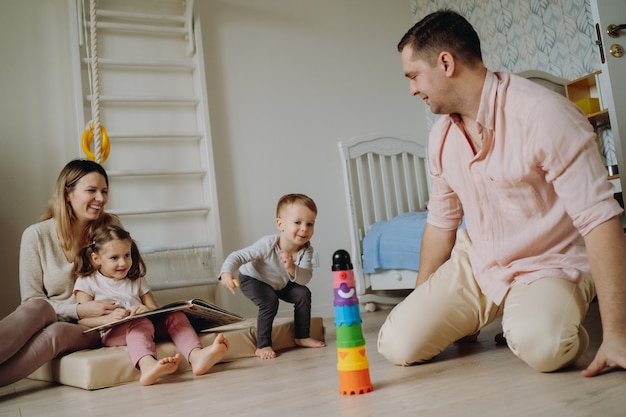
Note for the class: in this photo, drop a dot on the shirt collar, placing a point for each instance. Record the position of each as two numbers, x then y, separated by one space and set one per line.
486 109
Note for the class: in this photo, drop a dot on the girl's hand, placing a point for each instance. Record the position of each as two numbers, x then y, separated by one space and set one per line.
229 282
140 309
118 313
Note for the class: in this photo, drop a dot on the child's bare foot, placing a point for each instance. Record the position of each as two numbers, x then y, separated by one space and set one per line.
310 342
151 369
265 353
202 360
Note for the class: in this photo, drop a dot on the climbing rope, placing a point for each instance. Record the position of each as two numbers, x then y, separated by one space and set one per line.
94 130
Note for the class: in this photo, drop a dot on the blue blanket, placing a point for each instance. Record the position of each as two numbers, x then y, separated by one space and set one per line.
395 243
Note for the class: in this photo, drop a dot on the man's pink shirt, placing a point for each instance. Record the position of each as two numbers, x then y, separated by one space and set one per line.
536 186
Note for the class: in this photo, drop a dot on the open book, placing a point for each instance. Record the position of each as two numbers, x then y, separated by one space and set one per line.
202 315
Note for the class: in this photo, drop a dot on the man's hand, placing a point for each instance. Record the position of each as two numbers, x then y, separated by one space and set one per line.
606 246
611 353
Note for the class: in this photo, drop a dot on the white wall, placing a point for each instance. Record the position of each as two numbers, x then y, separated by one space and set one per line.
287 80
37 123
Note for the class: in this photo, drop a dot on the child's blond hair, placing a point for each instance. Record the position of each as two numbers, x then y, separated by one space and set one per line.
288 199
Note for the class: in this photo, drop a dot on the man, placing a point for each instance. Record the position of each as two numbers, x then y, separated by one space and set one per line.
521 165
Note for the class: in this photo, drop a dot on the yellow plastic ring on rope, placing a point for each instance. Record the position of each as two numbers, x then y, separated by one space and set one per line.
105 146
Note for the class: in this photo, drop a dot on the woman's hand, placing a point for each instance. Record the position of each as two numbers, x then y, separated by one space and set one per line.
95 308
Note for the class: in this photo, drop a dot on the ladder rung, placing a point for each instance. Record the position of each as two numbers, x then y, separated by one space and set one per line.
176 247
140 17
172 65
151 136
153 99
155 30
182 284
137 212
129 174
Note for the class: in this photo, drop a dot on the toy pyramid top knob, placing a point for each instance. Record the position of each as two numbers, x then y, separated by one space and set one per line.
341 260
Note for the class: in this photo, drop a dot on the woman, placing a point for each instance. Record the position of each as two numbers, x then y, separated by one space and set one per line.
43 327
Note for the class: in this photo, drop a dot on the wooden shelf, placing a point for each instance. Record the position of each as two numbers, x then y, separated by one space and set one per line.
583 87
599 118
583 91
586 89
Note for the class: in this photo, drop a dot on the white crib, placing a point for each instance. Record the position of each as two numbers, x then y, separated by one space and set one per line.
384 176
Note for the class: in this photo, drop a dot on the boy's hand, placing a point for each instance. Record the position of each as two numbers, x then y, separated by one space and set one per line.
287 260
229 282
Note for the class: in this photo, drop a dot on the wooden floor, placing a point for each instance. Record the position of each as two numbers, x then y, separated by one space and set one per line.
479 379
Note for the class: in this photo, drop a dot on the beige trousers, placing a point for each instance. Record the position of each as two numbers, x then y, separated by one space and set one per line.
541 321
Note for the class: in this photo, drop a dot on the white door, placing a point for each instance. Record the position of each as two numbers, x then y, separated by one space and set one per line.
612 13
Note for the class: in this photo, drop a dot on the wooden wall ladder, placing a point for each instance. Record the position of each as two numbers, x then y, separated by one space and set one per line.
153 103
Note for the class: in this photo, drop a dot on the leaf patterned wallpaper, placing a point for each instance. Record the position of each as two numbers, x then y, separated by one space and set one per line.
556 36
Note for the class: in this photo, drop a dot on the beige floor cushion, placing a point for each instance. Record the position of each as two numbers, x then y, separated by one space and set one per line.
109 366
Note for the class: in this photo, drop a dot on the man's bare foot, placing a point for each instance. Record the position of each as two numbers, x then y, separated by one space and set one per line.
202 360
265 353
151 369
310 342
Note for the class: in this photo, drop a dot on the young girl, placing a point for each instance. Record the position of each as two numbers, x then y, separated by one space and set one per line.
111 268
277 267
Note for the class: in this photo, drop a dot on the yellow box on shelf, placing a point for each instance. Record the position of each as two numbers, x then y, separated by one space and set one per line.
589 105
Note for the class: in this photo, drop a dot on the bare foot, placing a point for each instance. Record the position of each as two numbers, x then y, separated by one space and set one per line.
265 353
151 369
310 342
202 360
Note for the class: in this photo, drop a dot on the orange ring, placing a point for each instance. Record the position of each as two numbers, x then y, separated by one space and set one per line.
105 147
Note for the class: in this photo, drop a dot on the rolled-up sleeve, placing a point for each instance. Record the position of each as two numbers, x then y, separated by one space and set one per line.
574 166
444 207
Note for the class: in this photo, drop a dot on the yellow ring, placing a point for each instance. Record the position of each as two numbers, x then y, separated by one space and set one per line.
105 146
